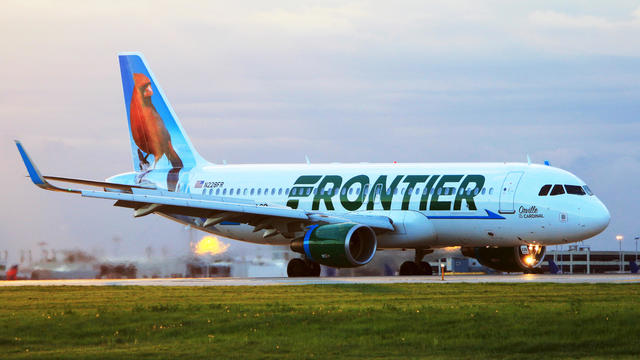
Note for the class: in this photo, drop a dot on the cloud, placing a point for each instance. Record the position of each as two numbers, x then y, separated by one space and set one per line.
560 20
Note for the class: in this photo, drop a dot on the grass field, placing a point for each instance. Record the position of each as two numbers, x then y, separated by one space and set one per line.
468 321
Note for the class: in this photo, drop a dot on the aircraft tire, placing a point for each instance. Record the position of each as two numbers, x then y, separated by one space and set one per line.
313 268
298 268
408 268
425 268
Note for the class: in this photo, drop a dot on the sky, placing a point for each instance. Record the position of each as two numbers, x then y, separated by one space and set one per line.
347 81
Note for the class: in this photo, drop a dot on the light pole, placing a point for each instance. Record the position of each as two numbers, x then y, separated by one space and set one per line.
620 238
637 237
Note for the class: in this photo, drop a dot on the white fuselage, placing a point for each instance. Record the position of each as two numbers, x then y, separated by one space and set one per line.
432 205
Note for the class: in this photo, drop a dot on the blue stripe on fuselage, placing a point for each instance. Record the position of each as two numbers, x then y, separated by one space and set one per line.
490 216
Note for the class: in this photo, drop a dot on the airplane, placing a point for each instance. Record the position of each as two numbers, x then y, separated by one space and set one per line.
340 215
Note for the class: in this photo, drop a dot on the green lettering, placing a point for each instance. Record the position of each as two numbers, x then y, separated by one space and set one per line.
354 205
322 195
386 195
443 205
411 181
427 190
468 196
301 191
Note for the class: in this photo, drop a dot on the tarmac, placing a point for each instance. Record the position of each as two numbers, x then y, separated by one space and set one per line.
457 278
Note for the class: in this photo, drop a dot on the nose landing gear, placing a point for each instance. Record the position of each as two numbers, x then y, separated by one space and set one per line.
303 268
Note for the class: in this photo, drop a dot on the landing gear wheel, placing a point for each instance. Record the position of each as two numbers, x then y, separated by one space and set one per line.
297 268
425 268
313 268
408 268
303 267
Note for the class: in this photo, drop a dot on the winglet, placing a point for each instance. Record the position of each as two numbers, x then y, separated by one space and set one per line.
34 173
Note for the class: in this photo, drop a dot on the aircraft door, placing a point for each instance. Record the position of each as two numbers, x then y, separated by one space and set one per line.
508 192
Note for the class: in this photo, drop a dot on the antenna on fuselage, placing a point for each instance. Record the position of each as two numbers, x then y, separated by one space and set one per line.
546 162
528 160
306 158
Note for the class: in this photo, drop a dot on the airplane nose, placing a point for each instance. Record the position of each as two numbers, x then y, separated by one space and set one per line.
597 218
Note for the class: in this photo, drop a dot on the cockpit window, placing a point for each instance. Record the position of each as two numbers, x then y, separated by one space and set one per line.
557 190
586 188
545 190
574 190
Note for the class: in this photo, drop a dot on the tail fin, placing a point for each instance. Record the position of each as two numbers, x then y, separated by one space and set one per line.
157 138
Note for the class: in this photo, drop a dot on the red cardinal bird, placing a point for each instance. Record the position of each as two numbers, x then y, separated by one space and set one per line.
147 127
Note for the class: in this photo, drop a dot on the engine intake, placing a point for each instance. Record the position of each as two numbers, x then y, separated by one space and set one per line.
509 259
338 245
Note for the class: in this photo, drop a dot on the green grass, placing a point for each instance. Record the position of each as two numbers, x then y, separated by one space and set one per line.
466 321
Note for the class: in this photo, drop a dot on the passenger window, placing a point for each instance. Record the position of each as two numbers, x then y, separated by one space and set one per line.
252 191
468 192
476 191
308 191
544 190
490 191
574 190
266 191
395 191
358 191
210 192
294 191
231 192
259 192
280 191
273 191
344 191
484 190
218 191
286 191
557 190
439 191
350 191
244 192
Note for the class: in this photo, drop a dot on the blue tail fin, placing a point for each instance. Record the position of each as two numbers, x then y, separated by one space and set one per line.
158 141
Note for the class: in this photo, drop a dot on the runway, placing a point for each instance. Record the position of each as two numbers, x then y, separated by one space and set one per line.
526 278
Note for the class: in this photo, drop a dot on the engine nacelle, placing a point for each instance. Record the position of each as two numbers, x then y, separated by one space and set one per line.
509 259
338 245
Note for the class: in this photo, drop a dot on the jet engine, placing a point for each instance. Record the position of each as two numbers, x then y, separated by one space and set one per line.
524 258
338 245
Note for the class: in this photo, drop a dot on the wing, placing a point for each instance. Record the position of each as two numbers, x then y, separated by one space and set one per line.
209 210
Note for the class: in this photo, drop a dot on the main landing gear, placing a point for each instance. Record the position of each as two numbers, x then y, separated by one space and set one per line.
417 267
303 268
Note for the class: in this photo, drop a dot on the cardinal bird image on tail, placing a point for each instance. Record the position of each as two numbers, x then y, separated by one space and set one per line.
147 127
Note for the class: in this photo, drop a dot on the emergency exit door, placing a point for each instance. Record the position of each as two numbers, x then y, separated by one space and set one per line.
508 192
